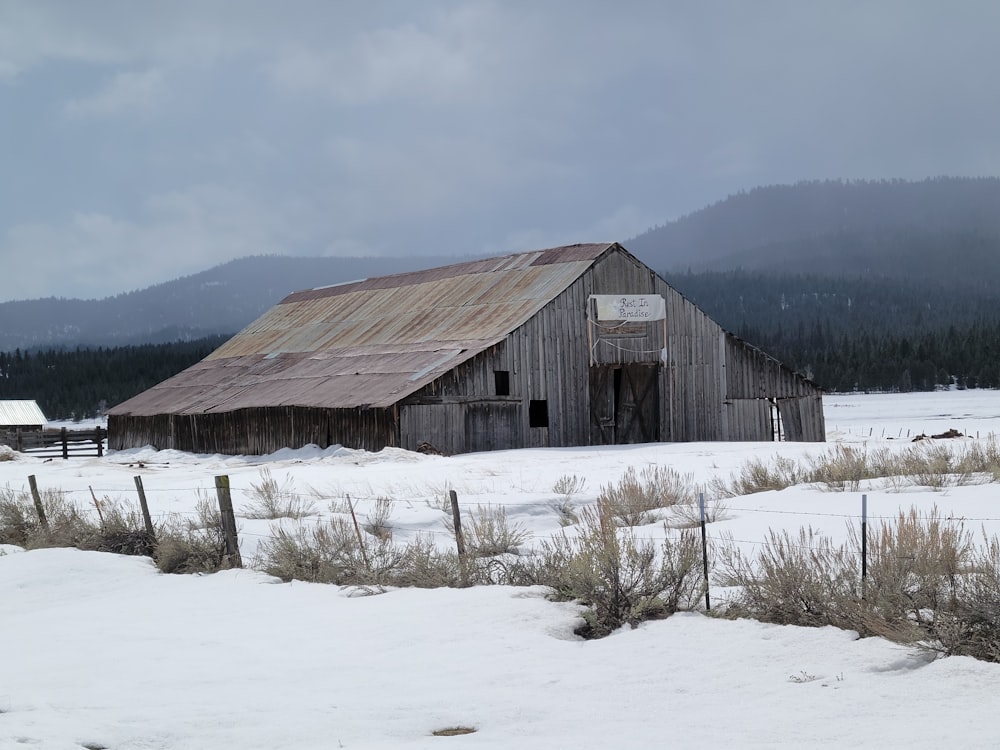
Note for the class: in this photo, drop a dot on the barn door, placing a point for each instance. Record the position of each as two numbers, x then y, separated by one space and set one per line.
624 404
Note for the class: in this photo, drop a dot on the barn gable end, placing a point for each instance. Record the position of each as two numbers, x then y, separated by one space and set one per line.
502 353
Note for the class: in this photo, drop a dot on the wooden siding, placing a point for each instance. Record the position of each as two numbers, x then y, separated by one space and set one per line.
256 431
750 373
802 418
749 419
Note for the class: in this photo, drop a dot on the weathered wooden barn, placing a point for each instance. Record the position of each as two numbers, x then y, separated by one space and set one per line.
21 414
577 345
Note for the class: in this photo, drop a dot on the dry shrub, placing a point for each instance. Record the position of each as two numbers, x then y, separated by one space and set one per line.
109 527
270 499
688 515
569 484
927 584
425 566
121 531
331 553
18 519
929 464
757 475
192 545
566 512
972 627
634 500
913 565
623 580
792 580
489 533
7 453
842 469
377 521
324 553
66 525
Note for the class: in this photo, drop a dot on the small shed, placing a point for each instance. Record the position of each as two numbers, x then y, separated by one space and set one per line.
21 415
576 345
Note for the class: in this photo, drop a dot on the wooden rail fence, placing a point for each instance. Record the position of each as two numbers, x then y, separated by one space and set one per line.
62 443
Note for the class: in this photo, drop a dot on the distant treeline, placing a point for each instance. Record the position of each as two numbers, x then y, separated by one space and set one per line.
82 383
867 334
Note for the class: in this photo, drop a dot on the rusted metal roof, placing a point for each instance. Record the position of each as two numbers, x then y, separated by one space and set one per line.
20 413
371 342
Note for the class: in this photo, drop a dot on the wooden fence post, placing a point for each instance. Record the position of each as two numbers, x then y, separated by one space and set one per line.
704 550
39 508
228 521
99 438
145 507
864 543
357 531
456 517
65 443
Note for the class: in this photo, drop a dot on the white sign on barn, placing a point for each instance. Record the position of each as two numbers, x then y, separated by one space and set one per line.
638 307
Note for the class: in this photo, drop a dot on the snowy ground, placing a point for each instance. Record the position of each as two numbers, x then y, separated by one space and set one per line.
102 651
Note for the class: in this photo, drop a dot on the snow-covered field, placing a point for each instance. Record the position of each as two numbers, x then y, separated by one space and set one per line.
98 650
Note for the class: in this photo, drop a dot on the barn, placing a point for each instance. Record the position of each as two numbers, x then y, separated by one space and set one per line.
21 414
576 345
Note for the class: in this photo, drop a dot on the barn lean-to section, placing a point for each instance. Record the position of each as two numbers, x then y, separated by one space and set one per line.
500 353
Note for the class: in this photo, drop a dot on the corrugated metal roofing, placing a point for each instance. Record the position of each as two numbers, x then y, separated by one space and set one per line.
370 342
20 413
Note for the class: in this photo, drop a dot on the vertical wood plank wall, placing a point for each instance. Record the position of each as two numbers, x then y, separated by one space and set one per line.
256 431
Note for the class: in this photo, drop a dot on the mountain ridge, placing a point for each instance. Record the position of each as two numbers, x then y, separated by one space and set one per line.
220 300
942 234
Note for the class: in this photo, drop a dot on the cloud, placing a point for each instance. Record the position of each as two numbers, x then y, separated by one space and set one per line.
438 60
177 233
126 93
152 139
617 226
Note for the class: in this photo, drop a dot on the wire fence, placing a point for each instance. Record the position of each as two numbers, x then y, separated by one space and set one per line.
313 508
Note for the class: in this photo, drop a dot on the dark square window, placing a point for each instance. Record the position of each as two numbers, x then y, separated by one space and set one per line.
501 379
538 413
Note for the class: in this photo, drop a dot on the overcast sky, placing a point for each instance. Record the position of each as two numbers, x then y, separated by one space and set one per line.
141 141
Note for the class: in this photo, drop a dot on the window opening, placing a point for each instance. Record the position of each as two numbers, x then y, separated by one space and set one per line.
501 381
538 413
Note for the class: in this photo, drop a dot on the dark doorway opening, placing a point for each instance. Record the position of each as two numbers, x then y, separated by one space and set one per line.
538 413
501 382
624 404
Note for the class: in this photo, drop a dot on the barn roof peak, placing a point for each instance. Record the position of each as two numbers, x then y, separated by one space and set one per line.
584 252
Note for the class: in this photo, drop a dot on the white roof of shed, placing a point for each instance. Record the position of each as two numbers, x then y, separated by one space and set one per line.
20 413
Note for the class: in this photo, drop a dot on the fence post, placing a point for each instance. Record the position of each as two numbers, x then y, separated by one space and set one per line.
704 550
63 434
39 508
99 437
97 505
456 517
357 531
20 441
864 541
145 507
228 521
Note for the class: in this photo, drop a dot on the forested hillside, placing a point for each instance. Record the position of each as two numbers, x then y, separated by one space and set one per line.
831 225
886 285
220 300
862 333
81 383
